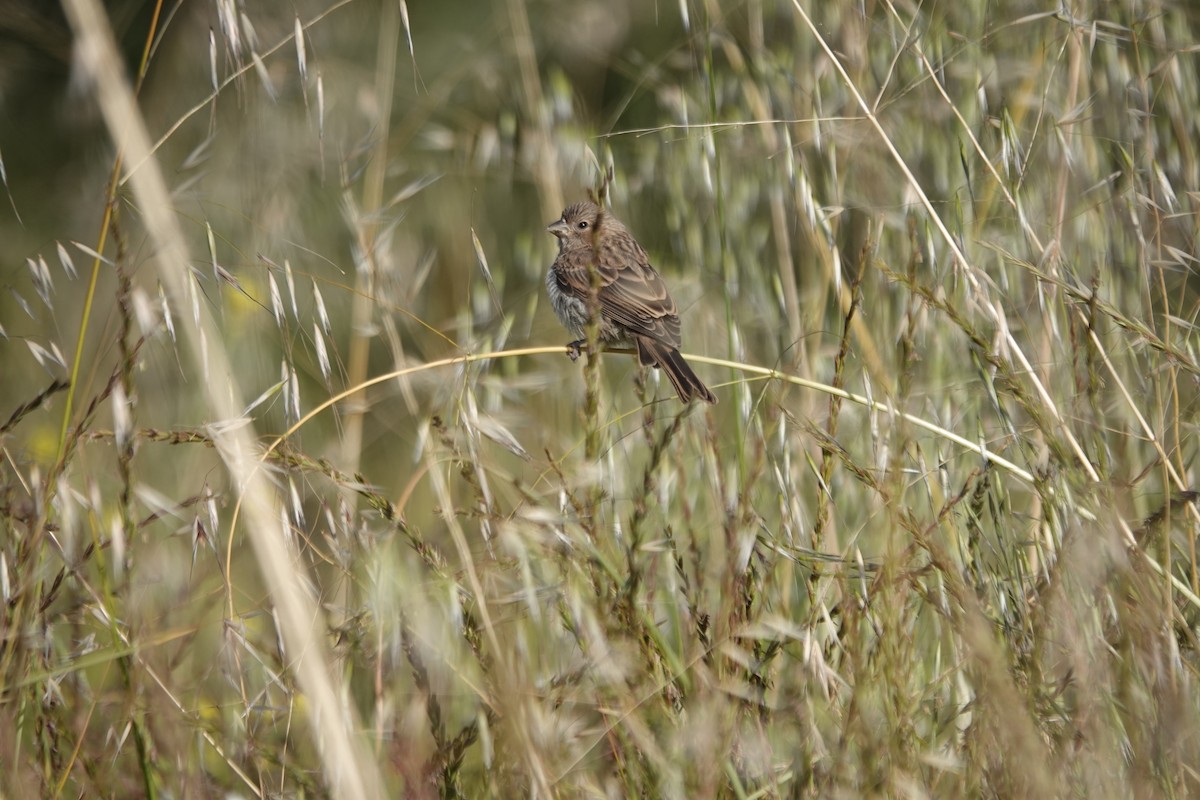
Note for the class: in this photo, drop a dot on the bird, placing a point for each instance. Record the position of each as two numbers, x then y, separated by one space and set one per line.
635 307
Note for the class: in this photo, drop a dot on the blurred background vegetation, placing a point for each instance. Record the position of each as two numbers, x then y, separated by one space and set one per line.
976 576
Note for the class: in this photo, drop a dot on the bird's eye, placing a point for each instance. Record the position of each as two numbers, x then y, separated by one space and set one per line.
583 224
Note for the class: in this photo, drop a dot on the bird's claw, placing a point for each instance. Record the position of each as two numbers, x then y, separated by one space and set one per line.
575 348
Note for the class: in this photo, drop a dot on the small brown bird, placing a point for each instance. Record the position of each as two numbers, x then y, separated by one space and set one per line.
635 307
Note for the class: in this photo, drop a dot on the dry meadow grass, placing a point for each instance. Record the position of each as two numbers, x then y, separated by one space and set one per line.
300 498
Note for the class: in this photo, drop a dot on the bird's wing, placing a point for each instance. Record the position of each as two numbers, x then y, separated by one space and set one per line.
632 293
638 299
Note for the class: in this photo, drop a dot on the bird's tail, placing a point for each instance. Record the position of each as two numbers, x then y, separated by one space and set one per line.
687 385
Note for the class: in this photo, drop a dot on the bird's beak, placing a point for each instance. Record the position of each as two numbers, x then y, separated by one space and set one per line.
559 228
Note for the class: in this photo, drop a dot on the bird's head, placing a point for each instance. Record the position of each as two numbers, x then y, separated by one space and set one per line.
578 223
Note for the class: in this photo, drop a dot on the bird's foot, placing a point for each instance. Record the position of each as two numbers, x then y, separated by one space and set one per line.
575 348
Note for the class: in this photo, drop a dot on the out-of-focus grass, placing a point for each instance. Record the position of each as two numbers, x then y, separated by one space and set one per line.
537 579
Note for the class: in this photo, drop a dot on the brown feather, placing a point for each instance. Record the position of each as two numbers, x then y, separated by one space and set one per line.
687 385
635 306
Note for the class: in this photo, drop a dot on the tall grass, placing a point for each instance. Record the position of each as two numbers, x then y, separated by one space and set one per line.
301 498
